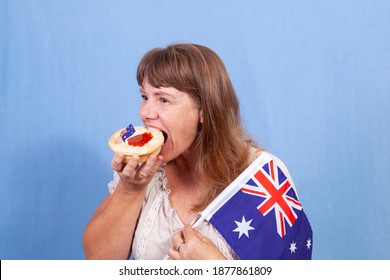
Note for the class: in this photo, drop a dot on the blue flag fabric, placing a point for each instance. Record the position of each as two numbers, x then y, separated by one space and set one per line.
260 216
127 132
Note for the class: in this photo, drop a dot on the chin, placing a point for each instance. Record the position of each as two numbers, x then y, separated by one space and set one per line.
164 153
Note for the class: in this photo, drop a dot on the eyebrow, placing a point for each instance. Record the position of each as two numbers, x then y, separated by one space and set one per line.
158 92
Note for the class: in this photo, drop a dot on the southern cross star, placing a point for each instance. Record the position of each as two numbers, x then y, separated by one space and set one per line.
293 247
243 227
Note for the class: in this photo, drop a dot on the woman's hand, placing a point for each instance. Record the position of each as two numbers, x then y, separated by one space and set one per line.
189 244
135 176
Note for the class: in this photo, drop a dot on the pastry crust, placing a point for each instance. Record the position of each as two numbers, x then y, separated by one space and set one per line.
152 147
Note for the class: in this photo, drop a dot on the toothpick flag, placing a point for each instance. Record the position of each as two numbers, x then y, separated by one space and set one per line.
127 132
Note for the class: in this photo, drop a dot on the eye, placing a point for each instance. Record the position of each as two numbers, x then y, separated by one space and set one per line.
164 100
144 97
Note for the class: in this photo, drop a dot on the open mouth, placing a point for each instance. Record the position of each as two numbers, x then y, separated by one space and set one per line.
165 136
163 132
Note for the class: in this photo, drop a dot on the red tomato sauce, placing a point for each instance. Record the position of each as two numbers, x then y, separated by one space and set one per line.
140 139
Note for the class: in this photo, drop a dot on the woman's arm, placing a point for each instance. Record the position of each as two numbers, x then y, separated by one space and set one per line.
110 232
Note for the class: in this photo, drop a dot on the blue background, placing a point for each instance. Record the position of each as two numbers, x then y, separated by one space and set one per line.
313 80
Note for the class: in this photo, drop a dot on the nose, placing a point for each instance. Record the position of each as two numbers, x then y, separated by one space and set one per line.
148 111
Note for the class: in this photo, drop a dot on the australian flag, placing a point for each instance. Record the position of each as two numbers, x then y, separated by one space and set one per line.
260 216
127 132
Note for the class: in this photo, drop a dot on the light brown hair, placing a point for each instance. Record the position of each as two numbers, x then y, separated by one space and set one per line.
221 147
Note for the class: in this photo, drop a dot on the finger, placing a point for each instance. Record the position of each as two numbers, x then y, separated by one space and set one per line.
151 166
117 162
199 235
147 169
177 238
131 167
174 254
177 242
189 233
157 164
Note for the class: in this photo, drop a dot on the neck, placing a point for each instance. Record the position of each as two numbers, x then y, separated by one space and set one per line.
182 182
183 163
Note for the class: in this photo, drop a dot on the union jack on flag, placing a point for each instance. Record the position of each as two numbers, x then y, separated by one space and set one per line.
260 216
271 183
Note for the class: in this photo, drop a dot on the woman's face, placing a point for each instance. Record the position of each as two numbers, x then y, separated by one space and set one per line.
175 113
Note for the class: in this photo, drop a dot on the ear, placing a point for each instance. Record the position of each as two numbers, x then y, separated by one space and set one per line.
201 115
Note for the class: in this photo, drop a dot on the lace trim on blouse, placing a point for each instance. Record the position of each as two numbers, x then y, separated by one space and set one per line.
158 180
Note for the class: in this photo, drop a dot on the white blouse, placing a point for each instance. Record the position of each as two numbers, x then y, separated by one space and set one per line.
158 221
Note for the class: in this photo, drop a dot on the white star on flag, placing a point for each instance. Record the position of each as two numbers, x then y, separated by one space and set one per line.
293 247
308 244
243 227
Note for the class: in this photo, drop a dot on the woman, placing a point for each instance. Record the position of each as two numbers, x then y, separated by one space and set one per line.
187 94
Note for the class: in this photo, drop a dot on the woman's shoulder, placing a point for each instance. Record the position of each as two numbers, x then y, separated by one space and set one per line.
268 157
